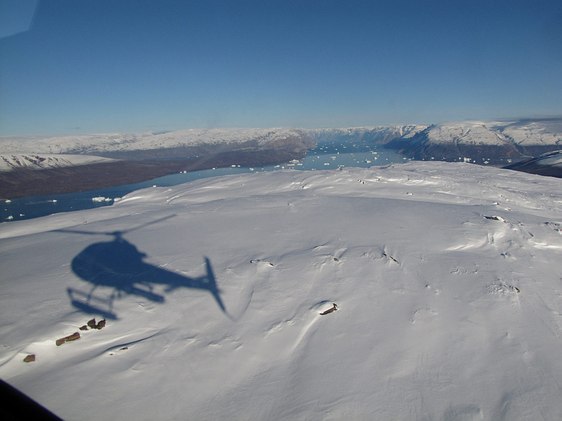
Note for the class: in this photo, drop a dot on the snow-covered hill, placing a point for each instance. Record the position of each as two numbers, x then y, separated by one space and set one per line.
34 161
471 133
544 132
446 277
534 136
484 141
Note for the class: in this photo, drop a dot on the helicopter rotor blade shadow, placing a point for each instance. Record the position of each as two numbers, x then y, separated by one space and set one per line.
115 233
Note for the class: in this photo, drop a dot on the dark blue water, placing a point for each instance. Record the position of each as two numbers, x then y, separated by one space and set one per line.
327 156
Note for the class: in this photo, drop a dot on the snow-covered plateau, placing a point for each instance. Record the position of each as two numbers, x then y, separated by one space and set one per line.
447 279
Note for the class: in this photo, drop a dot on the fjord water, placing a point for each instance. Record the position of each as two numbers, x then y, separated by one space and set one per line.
323 157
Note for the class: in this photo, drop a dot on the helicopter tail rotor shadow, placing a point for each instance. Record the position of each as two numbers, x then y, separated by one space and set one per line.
212 285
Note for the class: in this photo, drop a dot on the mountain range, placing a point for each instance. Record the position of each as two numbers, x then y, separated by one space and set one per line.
106 159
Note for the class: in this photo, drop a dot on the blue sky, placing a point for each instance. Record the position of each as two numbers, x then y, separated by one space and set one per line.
84 66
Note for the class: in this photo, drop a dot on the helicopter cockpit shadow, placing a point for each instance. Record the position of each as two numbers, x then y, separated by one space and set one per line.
120 266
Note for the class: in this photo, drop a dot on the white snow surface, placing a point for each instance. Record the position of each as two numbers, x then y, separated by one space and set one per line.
34 161
447 278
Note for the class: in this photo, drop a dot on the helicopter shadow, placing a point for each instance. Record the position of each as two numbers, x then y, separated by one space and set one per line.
119 266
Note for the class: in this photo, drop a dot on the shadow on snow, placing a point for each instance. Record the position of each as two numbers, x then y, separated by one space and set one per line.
119 265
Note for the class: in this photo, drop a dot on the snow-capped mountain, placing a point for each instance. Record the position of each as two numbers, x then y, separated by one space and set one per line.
533 136
483 141
446 278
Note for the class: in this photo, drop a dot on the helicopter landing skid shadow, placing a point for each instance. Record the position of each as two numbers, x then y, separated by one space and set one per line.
120 266
84 304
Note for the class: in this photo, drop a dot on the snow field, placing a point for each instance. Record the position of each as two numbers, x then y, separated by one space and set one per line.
447 279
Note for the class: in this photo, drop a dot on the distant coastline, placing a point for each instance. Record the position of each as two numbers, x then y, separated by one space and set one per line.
24 182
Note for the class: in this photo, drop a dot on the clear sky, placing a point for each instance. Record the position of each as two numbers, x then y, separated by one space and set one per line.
85 66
